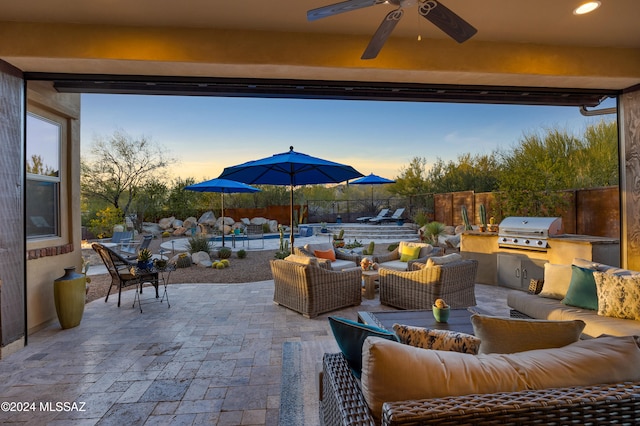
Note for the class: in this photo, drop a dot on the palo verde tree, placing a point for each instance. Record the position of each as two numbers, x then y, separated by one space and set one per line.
118 166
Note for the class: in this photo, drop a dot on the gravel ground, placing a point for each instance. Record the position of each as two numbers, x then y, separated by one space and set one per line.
254 267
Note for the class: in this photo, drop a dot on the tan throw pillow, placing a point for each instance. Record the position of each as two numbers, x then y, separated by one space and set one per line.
556 281
442 340
509 335
304 260
443 260
392 371
618 296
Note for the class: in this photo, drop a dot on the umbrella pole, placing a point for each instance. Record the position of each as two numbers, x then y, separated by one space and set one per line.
222 195
291 237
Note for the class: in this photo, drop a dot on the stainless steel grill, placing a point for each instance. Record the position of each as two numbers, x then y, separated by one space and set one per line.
531 233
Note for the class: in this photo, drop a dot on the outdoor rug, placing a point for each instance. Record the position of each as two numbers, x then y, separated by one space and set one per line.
301 363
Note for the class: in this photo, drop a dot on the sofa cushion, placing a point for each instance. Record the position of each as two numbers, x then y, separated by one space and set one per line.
350 335
325 254
408 253
582 289
317 246
618 296
396 265
556 281
443 260
509 335
540 307
395 372
444 340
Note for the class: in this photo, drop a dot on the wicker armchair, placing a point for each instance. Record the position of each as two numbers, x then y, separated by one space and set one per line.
342 403
393 257
454 282
312 290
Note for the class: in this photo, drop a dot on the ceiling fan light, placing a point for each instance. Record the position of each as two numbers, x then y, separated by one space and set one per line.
587 7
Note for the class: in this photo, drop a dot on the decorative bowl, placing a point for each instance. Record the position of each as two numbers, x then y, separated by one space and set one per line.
441 314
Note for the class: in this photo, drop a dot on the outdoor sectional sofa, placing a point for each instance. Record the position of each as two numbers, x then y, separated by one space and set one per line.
551 302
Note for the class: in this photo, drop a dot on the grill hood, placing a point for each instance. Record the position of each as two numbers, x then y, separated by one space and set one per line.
528 232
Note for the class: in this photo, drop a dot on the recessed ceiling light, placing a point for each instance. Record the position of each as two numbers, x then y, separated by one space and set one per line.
587 7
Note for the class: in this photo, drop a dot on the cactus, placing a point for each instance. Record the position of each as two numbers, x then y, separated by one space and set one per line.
492 220
224 253
465 218
483 215
303 213
183 261
370 248
341 235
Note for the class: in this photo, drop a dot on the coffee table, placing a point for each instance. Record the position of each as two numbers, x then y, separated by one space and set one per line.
459 319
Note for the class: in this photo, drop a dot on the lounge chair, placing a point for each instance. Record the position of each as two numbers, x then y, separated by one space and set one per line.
383 213
397 215
131 249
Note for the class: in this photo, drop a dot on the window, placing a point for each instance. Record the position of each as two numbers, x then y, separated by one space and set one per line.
43 177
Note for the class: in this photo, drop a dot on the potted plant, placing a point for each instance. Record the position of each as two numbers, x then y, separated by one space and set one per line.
441 310
323 227
144 259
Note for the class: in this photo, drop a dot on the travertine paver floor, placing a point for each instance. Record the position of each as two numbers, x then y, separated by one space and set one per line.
214 358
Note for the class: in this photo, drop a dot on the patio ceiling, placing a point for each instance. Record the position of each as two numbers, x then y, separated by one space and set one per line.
528 45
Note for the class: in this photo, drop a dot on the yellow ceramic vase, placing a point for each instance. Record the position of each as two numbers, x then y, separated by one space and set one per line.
69 296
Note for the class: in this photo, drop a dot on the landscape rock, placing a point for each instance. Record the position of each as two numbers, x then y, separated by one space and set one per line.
450 230
245 220
259 220
166 223
180 231
151 228
208 218
273 226
190 222
201 258
177 223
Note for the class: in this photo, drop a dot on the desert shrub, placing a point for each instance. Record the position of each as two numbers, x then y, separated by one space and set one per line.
242 254
224 253
265 228
106 219
198 243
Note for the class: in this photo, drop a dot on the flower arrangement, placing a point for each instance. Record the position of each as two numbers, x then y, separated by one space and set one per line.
368 265
440 310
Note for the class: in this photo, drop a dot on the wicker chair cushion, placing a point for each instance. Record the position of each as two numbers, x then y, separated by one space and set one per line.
618 296
350 336
442 340
392 371
317 246
510 335
443 260
556 281
304 260
582 291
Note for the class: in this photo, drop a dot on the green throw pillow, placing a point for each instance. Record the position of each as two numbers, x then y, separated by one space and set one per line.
409 253
582 291
350 335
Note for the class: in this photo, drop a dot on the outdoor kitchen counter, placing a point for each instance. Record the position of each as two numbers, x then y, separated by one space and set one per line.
483 247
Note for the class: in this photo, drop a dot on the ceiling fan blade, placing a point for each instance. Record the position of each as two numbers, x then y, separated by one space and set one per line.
382 34
445 19
334 9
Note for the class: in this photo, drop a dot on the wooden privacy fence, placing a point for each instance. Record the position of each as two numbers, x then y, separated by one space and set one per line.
593 211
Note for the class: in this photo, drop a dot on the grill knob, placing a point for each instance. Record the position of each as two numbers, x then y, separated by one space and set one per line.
526 241
504 240
515 240
539 243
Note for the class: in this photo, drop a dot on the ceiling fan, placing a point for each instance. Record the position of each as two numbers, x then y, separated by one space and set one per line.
442 17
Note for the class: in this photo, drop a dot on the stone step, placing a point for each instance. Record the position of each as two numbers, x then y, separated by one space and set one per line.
375 232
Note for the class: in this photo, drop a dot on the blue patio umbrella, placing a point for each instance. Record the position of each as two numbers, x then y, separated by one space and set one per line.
290 168
372 179
223 186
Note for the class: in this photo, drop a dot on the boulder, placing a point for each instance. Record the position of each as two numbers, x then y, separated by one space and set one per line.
151 228
177 223
180 231
166 223
450 230
208 218
190 222
273 226
459 229
245 220
202 259
259 221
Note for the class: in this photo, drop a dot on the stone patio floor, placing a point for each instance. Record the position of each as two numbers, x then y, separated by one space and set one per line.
213 358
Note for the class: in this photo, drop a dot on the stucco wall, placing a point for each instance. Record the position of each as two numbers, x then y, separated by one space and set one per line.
47 258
